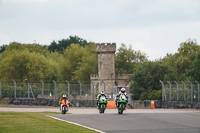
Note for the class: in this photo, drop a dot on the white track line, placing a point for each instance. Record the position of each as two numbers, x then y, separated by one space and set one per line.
76 124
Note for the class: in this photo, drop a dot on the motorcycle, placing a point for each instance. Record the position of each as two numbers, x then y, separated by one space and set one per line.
65 106
102 104
121 103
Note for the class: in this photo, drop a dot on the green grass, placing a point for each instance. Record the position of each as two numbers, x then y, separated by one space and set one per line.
18 122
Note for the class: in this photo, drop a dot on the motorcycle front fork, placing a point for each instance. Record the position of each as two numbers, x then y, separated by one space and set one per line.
61 106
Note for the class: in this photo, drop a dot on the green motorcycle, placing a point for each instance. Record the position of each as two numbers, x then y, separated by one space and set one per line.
122 103
102 104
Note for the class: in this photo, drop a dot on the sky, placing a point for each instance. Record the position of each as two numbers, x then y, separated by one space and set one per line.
155 27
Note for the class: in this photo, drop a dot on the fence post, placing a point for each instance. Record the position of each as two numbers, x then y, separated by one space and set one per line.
14 88
55 93
0 90
28 87
68 89
28 90
176 90
170 90
198 91
92 93
191 90
163 91
184 91
80 89
104 85
42 87
92 90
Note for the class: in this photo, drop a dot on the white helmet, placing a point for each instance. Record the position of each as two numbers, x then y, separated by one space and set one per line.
102 92
123 90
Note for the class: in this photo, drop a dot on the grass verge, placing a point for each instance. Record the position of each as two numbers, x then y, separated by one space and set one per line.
20 122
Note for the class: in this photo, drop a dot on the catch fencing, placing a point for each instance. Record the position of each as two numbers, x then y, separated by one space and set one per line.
174 94
180 91
48 91
41 93
180 94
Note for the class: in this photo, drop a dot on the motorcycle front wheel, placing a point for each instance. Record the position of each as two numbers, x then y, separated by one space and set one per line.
102 109
64 110
120 109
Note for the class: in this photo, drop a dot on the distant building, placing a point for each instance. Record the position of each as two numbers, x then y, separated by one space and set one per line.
106 78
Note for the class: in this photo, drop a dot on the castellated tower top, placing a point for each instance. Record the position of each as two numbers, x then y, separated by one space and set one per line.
105 47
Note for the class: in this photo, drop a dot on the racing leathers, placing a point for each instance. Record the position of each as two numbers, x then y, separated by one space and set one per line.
60 101
98 97
118 95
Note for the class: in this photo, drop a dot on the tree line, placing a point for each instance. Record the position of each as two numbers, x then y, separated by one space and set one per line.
75 59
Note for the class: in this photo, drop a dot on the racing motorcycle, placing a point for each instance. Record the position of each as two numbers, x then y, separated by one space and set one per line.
121 103
102 104
65 106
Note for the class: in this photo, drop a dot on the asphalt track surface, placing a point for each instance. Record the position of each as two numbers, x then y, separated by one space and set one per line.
132 121
169 122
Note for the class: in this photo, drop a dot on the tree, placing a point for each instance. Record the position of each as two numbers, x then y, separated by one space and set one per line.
81 62
146 80
27 61
194 71
61 45
22 65
127 59
88 65
182 60
187 53
2 48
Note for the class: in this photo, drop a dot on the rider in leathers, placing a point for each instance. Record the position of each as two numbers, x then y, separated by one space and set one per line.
122 91
62 98
99 96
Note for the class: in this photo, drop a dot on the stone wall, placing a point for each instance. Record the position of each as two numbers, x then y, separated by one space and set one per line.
106 66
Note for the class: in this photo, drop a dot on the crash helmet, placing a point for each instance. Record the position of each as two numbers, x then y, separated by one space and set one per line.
102 92
123 90
64 96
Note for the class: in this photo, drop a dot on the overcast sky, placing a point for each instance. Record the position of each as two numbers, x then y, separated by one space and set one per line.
155 27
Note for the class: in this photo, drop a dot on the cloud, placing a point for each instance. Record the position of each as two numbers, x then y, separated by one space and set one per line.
155 27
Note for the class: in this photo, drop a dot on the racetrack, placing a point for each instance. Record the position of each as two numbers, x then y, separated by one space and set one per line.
138 122
132 121
88 110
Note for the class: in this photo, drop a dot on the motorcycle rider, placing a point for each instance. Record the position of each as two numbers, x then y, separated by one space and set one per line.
62 98
122 91
99 96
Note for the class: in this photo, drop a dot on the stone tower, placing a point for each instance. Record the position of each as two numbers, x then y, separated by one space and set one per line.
106 78
106 64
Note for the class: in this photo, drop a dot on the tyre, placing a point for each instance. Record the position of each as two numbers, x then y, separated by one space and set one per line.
64 110
102 108
120 109
67 109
